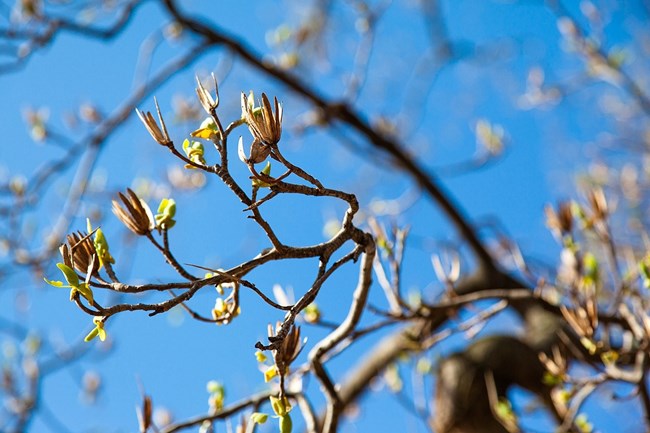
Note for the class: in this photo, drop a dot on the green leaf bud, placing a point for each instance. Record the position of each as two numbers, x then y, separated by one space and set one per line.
70 275
166 212
259 418
286 425
267 171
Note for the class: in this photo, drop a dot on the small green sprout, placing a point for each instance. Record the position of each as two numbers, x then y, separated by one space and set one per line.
551 379
583 424
281 408
74 284
266 171
98 330
424 366
208 130
504 412
392 378
589 345
270 373
312 313
220 308
260 356
194 151
384 245
591 269
101 245
609 357
217 395
166 212
259 418
286 425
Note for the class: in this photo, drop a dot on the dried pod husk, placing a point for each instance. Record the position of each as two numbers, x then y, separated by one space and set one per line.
288 350
264 123
81 252
560 221
65 254
598 203
205 99
145 415
565 217
135 214
158 133
259 152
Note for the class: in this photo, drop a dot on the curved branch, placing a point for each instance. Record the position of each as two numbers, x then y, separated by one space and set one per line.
346 114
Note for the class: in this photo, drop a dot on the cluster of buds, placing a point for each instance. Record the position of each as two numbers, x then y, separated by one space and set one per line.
81 253
138 218
194 151
225 310
594 215
165 216
281 407
583 320
264 123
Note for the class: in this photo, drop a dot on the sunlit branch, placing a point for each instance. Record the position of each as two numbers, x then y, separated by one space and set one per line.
347 115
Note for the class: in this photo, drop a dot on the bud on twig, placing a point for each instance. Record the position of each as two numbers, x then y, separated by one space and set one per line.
208 103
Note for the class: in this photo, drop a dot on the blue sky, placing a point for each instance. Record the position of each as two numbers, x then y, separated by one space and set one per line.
171 356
